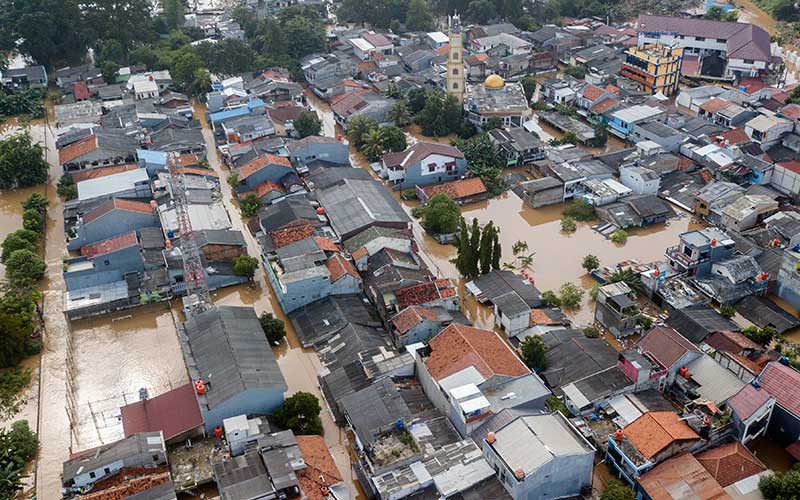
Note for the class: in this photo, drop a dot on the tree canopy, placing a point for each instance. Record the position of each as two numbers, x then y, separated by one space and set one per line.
307 123
533 353
441 215
300 413
22 162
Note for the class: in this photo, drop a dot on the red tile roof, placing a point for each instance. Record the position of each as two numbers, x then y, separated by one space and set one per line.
286 236
691 65
96 173
748 400
592 92
791 111
735 136
189 159
267 187
462 188
613 89
793 165
77 149
128 482
730 463
411 316
119 204
319 466
731 342
680 478
714 105
424 293
260 162
326 244
604 105
458 347
376 39
666 345
349 104
200 171
173 413
81 91
794 450
338 266
360 252
110 245
655 430
783 382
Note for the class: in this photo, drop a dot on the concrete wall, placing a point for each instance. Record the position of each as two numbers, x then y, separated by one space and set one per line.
248 402
337 153
271 172
114 223
420 333
347 284
107 268
788 286
563 476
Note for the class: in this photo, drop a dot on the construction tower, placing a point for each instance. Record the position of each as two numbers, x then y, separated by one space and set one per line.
197 296
455 64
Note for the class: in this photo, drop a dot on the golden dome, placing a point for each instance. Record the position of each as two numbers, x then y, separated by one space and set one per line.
494 82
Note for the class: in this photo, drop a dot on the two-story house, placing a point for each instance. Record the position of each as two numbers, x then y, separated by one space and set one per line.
423 163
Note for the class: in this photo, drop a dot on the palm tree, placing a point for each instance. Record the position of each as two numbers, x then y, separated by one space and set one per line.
373 145
526 260
519 247
400 114
627 276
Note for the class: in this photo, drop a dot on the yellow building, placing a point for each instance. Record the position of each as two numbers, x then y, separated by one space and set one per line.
656 67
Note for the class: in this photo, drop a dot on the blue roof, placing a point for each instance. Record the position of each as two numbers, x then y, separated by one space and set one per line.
232 113
148 157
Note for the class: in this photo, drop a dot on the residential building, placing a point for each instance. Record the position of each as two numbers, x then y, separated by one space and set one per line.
131 184
735 468
467 373
542 192
108 219
732 279
656 68
571 357
517 146
671 350
560 91
268 471
370 104
641 180
668 138
104 262
309 269
747 212
356 202
766 130
699 249
654 437
540 457
86 468
638 211
28 77
512 295
496 98
669 480
418 324
731 51
423 163
369 44
175 413
263 168
751 409
616 309
698 321
502 44
707 379
231 364
315 147
621 122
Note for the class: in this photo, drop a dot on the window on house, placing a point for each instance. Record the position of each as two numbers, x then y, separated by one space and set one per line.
720 40
155 458
92 475
749 61
107 470
701 39
455 71
106 262
455 85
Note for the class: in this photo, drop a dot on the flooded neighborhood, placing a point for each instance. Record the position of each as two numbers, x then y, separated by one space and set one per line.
260 250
